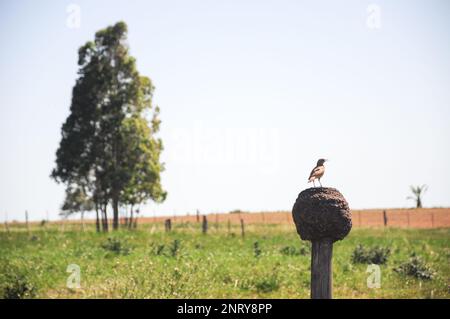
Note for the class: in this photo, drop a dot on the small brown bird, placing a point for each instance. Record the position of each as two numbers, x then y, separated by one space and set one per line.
317 172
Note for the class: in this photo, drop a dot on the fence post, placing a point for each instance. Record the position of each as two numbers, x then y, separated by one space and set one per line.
168 225
198 216
432 220
335 223
229 227
204 225
242 228
321 269
385 220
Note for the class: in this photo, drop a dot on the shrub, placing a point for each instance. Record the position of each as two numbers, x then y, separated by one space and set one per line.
174 248
375 255
158 249
116 246
18 286
267 284
415 267
256 249
294 251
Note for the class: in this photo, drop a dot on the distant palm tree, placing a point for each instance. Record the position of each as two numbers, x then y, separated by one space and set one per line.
418 192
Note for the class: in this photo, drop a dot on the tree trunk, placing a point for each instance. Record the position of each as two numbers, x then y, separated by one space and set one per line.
321 269
130 222
105 219
97 220
115 213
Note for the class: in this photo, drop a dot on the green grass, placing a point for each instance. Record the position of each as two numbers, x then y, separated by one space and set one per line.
148 263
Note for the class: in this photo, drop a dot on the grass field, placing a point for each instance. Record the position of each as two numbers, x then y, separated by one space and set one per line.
270 262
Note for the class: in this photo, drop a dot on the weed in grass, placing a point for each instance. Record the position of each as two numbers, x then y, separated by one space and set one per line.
256 249
17 285
175 248
294 251
375 255
415 267
116 246
158 250
266 285
269 283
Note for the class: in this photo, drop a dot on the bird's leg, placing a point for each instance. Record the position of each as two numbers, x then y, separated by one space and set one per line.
320 183
314 184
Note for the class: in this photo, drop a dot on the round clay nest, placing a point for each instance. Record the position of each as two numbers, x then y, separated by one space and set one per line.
321 213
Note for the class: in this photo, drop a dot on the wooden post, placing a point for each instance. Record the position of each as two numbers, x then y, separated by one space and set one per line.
217 221
6 226
385 220
204 225
242 228
198 216
229 227
321 269
168 225
432 220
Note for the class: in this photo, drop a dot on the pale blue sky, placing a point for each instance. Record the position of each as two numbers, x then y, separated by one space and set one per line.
252 93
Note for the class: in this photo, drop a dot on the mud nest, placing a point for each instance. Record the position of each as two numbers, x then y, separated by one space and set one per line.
322 213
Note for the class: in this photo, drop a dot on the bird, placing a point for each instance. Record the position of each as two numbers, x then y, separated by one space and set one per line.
317 172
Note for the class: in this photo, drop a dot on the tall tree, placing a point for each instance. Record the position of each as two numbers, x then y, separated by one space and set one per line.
107 142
